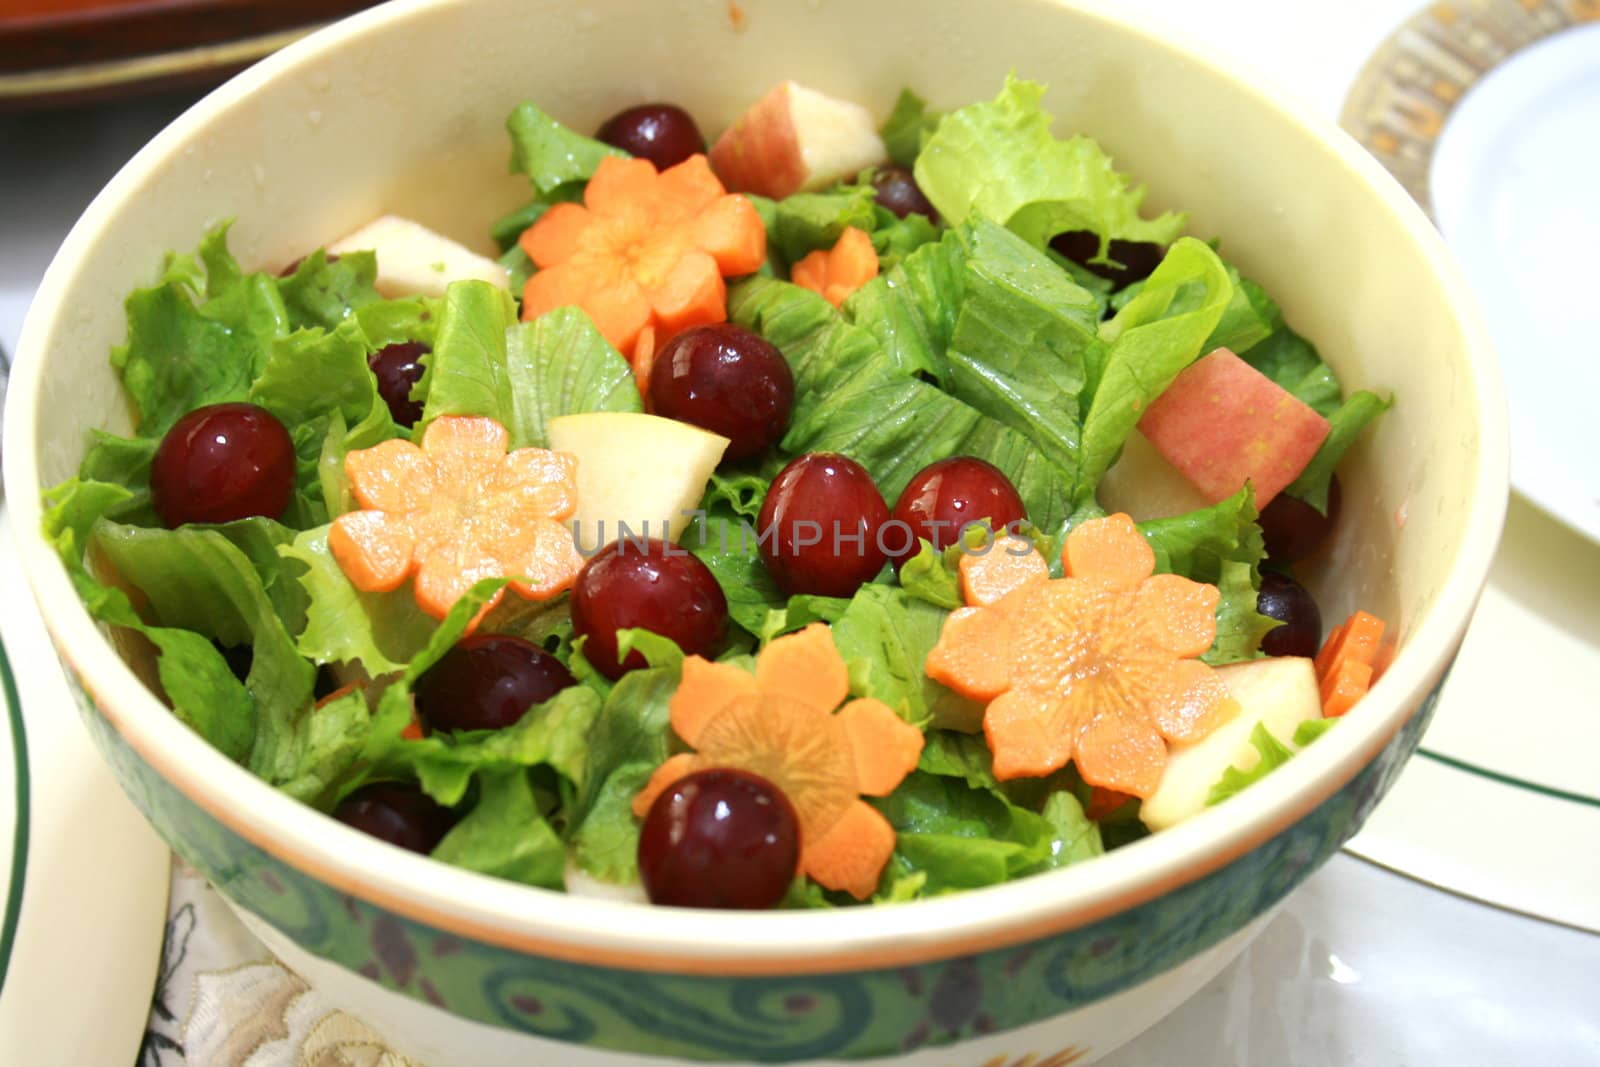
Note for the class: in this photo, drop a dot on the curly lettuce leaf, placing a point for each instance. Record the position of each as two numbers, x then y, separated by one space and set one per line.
550 154
1345 425
486 363
885 636
1271 754
998 160
506 833
1156 335
323 291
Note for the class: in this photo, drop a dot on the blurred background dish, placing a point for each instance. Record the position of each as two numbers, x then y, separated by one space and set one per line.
55 52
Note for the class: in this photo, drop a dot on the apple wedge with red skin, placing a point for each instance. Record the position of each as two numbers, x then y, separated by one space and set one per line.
795 139
1222 423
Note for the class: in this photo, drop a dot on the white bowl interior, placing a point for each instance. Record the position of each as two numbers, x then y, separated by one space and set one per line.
402 110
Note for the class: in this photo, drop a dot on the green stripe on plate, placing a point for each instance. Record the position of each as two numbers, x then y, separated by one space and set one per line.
19 841
1511 780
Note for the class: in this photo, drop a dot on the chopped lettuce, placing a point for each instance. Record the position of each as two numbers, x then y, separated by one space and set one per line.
1273 753
908 128
323 291
1156 335
1345 425
550 154
506 833
485 362
806 222
998 160
885 635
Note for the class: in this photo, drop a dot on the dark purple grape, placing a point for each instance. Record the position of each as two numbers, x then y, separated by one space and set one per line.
897 190
821 526
398 367
665 134
220 463
946 495
1288 601
488 682
1294 529
1138 258
651 586
719 838
727 380
397 813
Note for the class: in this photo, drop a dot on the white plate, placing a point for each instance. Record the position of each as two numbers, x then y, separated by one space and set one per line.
1514 191
83 878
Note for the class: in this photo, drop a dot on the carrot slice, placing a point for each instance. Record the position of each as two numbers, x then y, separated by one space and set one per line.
1096 668
1104 802
642 360
781 724
645 250
487 514
1008 564
1344 686
840 271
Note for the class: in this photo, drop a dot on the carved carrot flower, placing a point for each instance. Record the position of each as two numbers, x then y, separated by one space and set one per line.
1097 667
644 251
455 511
781 724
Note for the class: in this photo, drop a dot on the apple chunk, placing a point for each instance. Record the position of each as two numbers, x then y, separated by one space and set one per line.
796 139
1143 485
1223 423
1279 693
640 470
413 260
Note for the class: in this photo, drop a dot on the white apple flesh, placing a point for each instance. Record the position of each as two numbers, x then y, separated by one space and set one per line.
415 261
1144 486
1279 693
643 471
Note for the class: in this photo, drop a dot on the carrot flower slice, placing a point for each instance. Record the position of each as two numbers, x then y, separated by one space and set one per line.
1097 667
644 255
457 510
781 724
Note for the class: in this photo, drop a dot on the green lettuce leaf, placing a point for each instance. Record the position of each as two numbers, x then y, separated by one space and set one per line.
931 577
999 160
550 154
911 308
908 128
1345 425
1156 335
379 632
485 363
885 636
506 833
320 293
1273 754
806 222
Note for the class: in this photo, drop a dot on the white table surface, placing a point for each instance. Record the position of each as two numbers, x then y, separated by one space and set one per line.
1363 967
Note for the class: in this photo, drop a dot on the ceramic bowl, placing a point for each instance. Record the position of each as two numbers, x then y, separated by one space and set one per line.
400 109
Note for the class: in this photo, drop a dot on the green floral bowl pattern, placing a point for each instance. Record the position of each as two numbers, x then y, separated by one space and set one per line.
849 1015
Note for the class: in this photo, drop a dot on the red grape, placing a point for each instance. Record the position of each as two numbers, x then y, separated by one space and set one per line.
397 813
948 494
648 585
398 367
1294 529
820 526
727 380
1288 601
487 682
221 463
719 838
1138 258
665 134
897 190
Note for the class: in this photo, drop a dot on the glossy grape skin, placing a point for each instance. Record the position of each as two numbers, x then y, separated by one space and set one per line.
488 682
896 189
398 367
650 586
397 813
725 379
719 838
221 463
946 495
1138 258
812 506
665 134
1287 600
1294 529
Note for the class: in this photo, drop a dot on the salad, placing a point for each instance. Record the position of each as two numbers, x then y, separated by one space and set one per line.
838 514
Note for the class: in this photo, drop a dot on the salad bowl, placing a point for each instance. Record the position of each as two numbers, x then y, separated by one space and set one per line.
399 110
